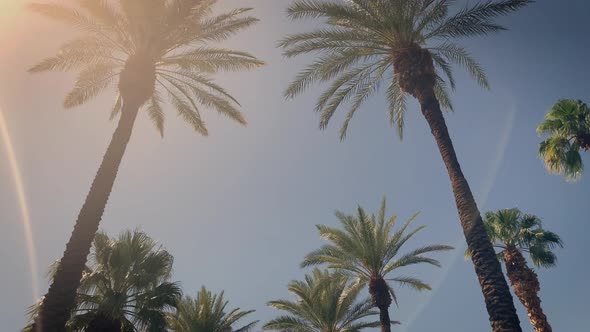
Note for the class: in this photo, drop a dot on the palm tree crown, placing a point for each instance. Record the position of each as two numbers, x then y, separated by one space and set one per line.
207 313
510 228
364 43
326 302
155 51
568 126
126 286
368 248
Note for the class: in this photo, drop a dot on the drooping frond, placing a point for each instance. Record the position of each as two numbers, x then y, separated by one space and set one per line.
511 229
368 247
175 37
361 36
568 126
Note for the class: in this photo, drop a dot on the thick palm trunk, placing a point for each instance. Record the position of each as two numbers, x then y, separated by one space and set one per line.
60 298
382 300
103 324
526 286
416 73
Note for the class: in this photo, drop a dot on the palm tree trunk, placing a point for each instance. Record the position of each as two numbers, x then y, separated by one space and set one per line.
60 298
526 286
103 324
417 76
382 300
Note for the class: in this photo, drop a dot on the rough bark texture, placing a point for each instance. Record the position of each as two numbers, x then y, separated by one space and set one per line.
103 324
60 298
382 300
415 68
526 287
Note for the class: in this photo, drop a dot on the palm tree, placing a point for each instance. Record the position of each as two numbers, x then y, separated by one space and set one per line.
125 288
367 249
326 301
207 313
409 44
568 126
152 51
514 233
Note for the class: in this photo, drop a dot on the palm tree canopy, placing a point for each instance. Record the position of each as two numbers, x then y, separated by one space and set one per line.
127 281
207 313
568 126
510 228
167 43
367 248
358 46
325 302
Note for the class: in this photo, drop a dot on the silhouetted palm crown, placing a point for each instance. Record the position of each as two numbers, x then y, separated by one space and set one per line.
154 51
568 126
207 313
368 248
125 285
363 42
326 302
509 228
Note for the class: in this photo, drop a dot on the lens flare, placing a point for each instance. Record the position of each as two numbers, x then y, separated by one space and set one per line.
22 202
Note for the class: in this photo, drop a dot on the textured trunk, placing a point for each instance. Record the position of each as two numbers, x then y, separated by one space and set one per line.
103 324
416 72
60 298
382 300
526 286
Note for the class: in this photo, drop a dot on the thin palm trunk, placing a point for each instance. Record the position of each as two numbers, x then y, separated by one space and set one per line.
416 72
60 298
526 286
382 300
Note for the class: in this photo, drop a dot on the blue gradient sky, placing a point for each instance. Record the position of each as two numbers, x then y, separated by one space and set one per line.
238 209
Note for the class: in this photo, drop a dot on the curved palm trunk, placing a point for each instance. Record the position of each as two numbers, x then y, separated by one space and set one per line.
382 300
416 73
526 286
60 298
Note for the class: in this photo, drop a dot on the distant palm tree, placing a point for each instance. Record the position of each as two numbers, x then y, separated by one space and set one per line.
125 288
514 233
326 301
147 53
568 126
207 313
410 46
367 248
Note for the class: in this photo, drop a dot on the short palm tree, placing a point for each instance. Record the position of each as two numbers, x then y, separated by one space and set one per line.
146 53
207 313
125 287
368 249
568 126
326 302
514 233
410 47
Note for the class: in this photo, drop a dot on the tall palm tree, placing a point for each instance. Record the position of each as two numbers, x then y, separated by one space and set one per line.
207 313
367 248
514 233
146 53
409 44
125 287
326 301
568 126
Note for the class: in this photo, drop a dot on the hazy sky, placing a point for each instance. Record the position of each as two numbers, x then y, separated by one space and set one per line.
238 209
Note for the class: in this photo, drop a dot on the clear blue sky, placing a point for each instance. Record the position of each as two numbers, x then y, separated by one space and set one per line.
238 209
